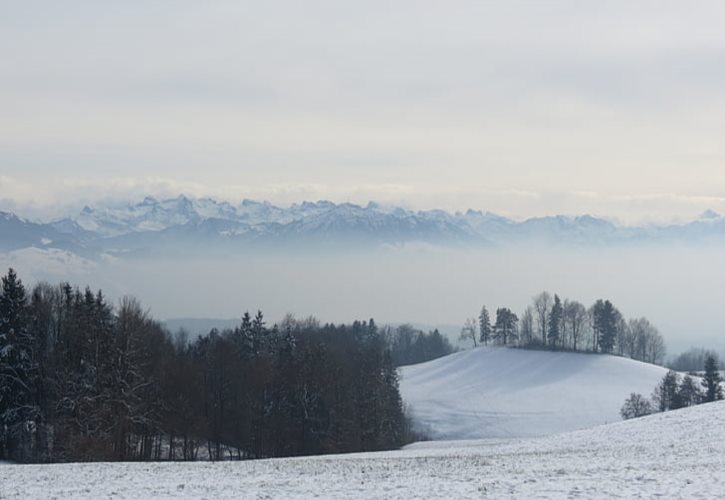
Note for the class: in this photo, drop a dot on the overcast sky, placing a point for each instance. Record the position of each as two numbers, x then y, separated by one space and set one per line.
521 107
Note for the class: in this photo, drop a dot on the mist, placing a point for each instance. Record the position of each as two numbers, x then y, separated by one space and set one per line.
678 288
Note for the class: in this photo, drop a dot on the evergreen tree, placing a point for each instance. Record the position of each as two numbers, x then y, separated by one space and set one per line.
259 334
711 380
605 325
19 413
689 393
665 395
245 343
506 325
555 322
484 325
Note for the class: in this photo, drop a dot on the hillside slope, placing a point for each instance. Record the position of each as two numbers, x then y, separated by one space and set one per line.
499 393
679 454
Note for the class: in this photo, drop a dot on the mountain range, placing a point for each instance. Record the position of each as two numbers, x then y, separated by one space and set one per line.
192 225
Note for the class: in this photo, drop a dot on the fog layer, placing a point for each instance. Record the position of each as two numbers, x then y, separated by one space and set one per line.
680 289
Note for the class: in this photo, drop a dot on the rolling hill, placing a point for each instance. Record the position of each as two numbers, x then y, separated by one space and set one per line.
501 392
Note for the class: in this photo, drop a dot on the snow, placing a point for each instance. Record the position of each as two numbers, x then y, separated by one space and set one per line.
327 222
680 454
506 392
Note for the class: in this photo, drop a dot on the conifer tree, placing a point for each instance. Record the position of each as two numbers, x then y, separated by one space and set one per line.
506 325
689 393
605 324
665 395
711 380
555 318
19 412
484 326
259 334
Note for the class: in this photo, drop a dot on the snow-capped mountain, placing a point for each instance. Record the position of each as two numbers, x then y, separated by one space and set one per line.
186 224
148 215
16 233
188 221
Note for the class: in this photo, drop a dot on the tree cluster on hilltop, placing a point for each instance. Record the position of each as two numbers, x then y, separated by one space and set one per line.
82 380
555 324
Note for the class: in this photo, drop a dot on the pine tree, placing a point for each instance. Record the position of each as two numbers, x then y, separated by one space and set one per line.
244 340
555 318
19 413
605 325
506 325
689 393
259 334
484 325
665 395
711 380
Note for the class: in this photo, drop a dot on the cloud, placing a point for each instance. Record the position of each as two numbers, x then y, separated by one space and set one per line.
524 108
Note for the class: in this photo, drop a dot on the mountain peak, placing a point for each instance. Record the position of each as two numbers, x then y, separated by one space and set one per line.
710 215
8 216
373 222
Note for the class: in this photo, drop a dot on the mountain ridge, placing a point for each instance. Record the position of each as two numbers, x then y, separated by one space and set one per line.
175 223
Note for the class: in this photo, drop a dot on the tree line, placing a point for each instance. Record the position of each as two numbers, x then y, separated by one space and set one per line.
673 393
550 323
691 360
81 380
409 346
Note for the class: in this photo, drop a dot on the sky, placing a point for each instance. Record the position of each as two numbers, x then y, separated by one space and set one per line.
522 107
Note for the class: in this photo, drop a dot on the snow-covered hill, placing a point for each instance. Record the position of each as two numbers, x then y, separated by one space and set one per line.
500 392
679 454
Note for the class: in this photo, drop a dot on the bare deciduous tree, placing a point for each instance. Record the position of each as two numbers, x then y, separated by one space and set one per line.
575 319
469 330
542 305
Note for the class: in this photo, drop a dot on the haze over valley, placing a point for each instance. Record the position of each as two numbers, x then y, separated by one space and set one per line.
397 265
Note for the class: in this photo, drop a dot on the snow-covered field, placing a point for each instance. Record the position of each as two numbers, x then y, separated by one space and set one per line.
680 454
500 393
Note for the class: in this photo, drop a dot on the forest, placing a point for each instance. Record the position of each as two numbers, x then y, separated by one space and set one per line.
82 380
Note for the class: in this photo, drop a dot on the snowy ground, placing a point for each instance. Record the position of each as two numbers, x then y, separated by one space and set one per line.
679 454
501 393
